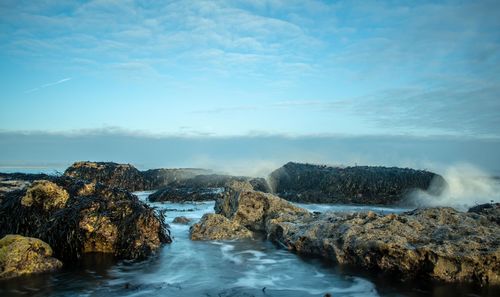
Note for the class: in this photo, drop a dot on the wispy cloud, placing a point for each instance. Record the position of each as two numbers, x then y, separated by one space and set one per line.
48 85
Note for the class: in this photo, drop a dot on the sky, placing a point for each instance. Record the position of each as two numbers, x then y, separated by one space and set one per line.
250 68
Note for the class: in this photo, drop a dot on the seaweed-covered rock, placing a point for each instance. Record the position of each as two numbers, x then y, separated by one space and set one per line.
76 217
217 227
46 195
111 174
360 184
490 210
204 188
184 194
21 255
158 178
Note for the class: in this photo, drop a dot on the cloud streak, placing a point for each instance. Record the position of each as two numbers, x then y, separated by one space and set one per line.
48 85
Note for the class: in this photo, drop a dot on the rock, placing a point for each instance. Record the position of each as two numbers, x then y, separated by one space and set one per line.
254 209
204 188
360 184
218 227
241 211
185 194
181 220
130 178
76 217
45 194
436 243
111 174
25 255
489 210
158 178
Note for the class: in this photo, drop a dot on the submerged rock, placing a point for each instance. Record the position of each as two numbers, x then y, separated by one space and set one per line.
76 217
21 255
181 220
360 184
217 227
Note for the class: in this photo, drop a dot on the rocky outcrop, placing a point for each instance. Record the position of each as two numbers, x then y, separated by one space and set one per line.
191 183
21 255
489 210
111 174
217 227
158 178
185 194
242 208
436 243
204 188
77 217
360 184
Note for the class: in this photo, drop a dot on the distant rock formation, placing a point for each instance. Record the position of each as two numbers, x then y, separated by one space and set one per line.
436 243
124 176
357 185
76 217
177 184
203 188
21 255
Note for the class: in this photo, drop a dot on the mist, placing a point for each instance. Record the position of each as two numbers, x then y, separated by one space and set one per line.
467 186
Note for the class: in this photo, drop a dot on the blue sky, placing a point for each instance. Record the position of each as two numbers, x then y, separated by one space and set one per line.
233 68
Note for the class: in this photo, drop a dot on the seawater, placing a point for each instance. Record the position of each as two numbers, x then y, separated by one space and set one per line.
221 268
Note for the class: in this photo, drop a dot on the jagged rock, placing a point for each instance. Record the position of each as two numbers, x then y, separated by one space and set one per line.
254 209
21 255
360 184
111 174
438 243
181 220
76 217
218 227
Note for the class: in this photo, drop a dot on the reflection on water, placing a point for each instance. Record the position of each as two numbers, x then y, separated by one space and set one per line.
220 268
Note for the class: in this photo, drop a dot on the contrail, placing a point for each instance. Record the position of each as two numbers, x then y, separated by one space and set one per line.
48 85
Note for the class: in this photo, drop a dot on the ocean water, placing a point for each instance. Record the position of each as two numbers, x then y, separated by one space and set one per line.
222 268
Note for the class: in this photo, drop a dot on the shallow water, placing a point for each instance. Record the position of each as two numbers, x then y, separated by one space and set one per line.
221 268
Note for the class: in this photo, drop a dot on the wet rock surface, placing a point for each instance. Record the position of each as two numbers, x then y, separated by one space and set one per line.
218 227
435 243
21 255
242 207
361 184
181 220
76 217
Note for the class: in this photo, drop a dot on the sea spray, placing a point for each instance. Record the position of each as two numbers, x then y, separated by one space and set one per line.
467 185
